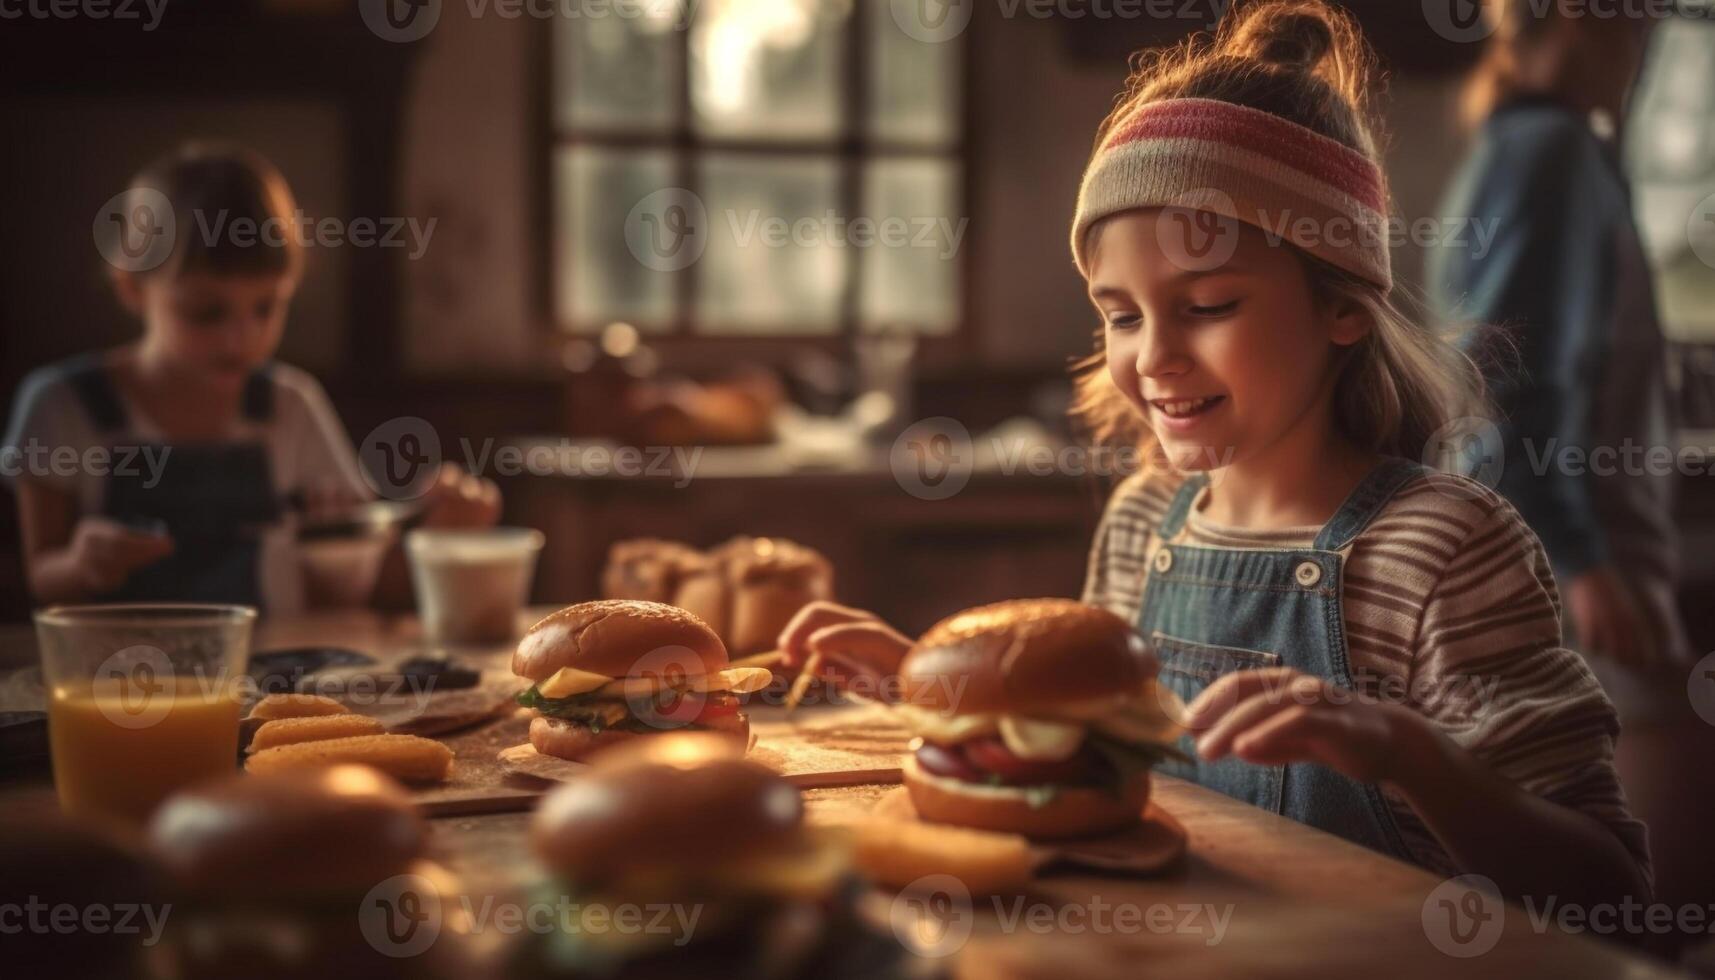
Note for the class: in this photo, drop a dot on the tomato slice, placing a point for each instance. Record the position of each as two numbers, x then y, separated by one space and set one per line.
717 706
990 754
947 760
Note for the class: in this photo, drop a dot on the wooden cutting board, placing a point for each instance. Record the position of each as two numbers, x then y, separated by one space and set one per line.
813 749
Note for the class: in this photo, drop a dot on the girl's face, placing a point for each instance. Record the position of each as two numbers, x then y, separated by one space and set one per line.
1224 360
215 327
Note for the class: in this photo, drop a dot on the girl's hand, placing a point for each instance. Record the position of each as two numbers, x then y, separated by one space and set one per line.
847 643
1275 716
458 499
105 552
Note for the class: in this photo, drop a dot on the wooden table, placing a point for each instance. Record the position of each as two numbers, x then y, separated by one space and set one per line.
1258 895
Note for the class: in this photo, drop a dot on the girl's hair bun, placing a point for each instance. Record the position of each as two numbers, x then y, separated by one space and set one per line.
1294 36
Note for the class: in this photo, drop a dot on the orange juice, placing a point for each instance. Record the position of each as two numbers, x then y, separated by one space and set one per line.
120 748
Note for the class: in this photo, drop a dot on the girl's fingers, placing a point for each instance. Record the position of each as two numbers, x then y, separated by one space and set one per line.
1229 691
1253 711
1299 735
862 647
794 638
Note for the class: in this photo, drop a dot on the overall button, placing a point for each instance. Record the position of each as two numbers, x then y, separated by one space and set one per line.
1307 573
1163 560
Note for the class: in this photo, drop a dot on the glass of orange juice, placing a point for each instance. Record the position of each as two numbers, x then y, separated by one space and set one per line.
143 699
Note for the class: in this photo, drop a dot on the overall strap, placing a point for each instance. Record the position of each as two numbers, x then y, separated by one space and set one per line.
1181 506
95 390
1361 507
258 399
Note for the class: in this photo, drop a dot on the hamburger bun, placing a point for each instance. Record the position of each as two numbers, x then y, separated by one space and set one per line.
571 740
1074 811
643 814
326 833
1025 655
619 638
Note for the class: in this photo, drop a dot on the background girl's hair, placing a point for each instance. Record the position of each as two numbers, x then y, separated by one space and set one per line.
1495 79
1306 62
214 187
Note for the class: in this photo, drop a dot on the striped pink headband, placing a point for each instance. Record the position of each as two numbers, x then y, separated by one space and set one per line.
1249 165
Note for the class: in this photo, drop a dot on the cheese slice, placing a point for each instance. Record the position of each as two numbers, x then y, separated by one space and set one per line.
1154 718
570 681
1034 738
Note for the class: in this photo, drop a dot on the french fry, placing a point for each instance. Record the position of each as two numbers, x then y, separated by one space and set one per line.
406 757
320 728
802 683
276 706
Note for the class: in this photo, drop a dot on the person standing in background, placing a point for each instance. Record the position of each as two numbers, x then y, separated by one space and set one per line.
1572 345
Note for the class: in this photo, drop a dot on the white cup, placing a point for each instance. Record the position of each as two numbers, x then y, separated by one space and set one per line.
471 584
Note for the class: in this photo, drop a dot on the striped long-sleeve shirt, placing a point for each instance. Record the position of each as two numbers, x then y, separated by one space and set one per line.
1450 609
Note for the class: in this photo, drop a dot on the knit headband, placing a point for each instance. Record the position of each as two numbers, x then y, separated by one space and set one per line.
1249 165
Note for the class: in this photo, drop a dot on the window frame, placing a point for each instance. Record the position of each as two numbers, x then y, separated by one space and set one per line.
684 334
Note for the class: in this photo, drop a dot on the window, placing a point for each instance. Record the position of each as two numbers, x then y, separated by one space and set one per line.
1671 158
757 168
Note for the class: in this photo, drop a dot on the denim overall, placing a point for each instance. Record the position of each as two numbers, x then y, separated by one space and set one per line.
1212 611
213 498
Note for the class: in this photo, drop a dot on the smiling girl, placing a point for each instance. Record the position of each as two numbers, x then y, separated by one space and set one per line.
1366 646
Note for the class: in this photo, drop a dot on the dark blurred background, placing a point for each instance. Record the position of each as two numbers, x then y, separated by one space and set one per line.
530 317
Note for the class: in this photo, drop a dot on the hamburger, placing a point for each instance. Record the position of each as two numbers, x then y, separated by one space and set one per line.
608 671
309 873
683 822
1040 717
50 860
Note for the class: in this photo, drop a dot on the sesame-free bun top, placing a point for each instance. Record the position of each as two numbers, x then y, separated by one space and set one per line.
620 638
684 803
330 832
1025 655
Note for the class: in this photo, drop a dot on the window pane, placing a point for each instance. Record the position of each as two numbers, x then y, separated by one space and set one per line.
618 71
911 272
599 277
771 264
913 77
768 68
